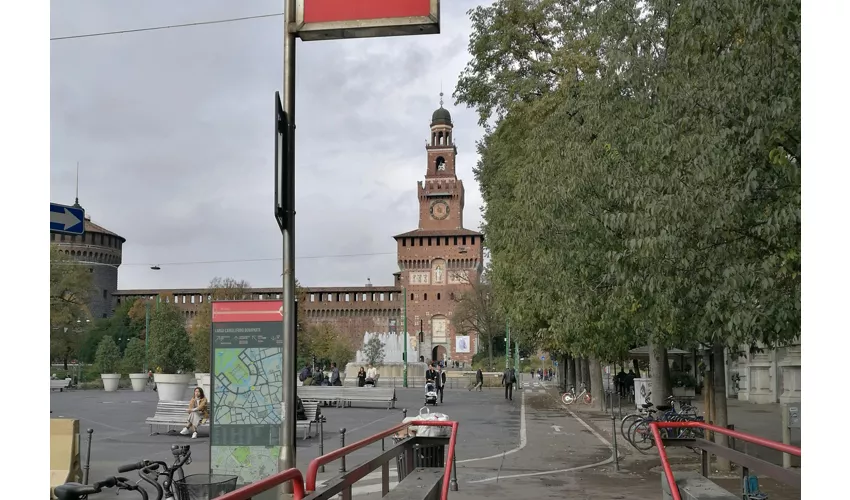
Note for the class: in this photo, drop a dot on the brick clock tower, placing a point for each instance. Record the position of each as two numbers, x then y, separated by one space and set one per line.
440 259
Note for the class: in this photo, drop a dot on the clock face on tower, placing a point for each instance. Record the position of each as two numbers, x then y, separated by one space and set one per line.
439 209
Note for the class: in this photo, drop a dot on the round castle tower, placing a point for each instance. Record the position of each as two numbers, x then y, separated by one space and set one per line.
99 249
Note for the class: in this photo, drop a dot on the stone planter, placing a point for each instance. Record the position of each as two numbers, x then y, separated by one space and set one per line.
173 387
684 392
139 380
110 381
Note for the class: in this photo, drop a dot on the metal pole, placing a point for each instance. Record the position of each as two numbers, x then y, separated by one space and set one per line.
147 329
88 457
507 346
342 445
516 366
406 338
287 445
321 442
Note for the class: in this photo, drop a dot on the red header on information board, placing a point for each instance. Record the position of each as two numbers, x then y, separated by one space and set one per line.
247 311
328 11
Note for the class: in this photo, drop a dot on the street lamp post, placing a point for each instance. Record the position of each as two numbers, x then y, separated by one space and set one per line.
147 330
406 338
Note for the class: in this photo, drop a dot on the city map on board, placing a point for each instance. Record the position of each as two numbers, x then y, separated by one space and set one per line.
249 463
247 386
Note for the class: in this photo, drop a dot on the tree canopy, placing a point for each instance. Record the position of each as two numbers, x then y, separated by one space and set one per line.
70 288
641 174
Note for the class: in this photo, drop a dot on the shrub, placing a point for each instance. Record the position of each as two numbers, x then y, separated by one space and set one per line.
169 348
683 379
134 356
108 356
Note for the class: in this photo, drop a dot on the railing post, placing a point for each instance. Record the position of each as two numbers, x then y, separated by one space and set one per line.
731 427
342 445
704 463
453 483
614 433
321 442
88 457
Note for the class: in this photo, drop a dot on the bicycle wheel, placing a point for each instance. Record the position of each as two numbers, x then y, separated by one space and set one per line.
642 438
568 398
627 422
630 433
586 399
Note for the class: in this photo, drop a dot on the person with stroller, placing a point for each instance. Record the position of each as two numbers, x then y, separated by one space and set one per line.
431 377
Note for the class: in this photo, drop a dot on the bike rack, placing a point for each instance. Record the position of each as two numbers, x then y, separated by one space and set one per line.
744 460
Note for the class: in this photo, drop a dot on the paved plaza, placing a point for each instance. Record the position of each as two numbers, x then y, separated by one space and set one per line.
529 447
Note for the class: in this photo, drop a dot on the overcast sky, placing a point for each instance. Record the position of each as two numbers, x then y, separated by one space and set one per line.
173 133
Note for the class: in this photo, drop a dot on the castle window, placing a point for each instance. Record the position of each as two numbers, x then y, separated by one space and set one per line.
429 241
473 240
455 241
61 237
392 298
424 296
73 238
452 296
438 295
312 297
464 240
347 297
447 240
411 296
421 239
438 241
381 296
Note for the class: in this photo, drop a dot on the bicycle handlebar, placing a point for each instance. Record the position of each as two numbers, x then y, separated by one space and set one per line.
132 467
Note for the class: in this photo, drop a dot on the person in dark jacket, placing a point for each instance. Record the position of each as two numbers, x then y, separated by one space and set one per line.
441 382
508 380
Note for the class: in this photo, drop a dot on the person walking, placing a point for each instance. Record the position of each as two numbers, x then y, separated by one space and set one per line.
441 382
479 380
335 380
508 380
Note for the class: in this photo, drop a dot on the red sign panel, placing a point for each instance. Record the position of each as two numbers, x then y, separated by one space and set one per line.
249 311
335 19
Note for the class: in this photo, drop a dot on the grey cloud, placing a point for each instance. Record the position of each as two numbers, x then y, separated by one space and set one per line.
173 131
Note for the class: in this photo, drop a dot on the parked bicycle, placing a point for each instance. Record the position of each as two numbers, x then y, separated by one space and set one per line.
77 491
571 397
151 469
639 433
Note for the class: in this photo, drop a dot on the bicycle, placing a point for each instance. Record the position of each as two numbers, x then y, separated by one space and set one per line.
570 396
77 491
182 456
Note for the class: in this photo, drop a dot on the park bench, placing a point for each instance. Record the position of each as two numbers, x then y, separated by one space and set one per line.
328 395
60 385
170 414
368 395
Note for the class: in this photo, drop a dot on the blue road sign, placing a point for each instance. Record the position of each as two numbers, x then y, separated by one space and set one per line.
67 220
556 363
542 358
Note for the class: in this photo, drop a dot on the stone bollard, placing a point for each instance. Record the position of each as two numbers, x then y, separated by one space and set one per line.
342 445
404 413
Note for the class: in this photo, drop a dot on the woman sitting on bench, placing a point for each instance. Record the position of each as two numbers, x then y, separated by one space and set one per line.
198 412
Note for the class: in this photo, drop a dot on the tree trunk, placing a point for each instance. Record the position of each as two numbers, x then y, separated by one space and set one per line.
636 368
579 373
65 362
598 392
490 354
722 418
571 374
585 373
667 377
659 375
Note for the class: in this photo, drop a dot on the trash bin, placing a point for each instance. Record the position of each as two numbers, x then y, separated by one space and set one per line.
427 452
204 486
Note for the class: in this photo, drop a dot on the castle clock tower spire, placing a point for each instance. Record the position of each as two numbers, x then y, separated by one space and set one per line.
441 194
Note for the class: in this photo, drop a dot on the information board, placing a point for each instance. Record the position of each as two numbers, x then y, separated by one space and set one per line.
246 388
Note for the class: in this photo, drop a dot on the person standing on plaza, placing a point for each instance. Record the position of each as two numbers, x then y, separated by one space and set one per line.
508 380
335 380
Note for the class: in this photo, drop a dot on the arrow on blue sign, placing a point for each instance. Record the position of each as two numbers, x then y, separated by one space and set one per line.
65 219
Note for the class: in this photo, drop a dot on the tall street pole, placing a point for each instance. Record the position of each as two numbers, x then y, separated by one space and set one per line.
507 346
147 330
516 361
287 435
406 337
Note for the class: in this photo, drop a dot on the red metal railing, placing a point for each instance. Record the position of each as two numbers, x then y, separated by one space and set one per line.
253 489
662 452
313 468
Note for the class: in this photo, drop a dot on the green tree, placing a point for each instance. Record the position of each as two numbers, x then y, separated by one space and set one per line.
324 343
108 356
200 329
169 348
476 313
70 287
655 164
374 350
134 356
